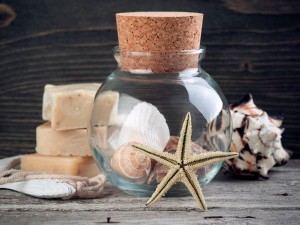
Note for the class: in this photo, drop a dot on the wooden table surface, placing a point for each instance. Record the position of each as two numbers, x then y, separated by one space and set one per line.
230 201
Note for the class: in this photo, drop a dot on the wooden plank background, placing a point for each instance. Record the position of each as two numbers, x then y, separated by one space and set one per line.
252 46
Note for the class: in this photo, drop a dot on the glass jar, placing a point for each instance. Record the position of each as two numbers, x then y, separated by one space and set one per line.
145 101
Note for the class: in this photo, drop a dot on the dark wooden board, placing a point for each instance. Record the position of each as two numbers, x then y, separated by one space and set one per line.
252 46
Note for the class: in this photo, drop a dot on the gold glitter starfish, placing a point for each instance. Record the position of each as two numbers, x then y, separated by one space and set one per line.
183 165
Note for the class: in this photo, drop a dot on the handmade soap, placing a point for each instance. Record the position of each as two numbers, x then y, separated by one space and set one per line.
69 106
67 165
61 143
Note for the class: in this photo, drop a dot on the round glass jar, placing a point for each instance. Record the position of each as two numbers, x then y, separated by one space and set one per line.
145 100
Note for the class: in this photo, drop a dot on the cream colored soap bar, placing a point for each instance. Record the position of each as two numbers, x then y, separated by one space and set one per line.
67 165
61 143
69 106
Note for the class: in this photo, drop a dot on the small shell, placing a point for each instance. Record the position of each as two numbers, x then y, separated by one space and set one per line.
42 188
131 164
159 171
144 125
257 139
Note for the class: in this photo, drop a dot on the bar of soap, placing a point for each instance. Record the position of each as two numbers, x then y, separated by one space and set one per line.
69 106
61 143
66 165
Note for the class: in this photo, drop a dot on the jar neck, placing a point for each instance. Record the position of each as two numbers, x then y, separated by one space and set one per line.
159 62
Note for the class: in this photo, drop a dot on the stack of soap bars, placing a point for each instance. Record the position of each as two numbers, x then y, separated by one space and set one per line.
62 142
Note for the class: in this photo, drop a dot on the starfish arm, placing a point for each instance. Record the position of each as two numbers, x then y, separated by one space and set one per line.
184 144
191 182
171 178
164 158
205 159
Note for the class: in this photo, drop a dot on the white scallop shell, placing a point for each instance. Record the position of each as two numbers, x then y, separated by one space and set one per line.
42 188
144 125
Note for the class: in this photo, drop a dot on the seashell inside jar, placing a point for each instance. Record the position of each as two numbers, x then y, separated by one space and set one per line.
131 164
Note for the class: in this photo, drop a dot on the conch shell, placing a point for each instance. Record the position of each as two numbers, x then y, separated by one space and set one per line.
159 171
257 139
131 164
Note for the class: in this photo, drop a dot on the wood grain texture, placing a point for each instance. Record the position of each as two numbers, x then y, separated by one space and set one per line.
264 7
230 201
68 41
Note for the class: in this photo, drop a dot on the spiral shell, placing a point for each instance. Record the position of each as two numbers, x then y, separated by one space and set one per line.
131 164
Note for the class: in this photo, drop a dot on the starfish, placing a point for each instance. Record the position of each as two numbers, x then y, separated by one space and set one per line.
183 165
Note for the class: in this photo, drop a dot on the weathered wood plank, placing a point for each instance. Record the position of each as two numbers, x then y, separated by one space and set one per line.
252 46
276 201
265 7
215 216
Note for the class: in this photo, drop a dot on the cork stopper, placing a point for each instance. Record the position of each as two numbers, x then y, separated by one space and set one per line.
163 34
